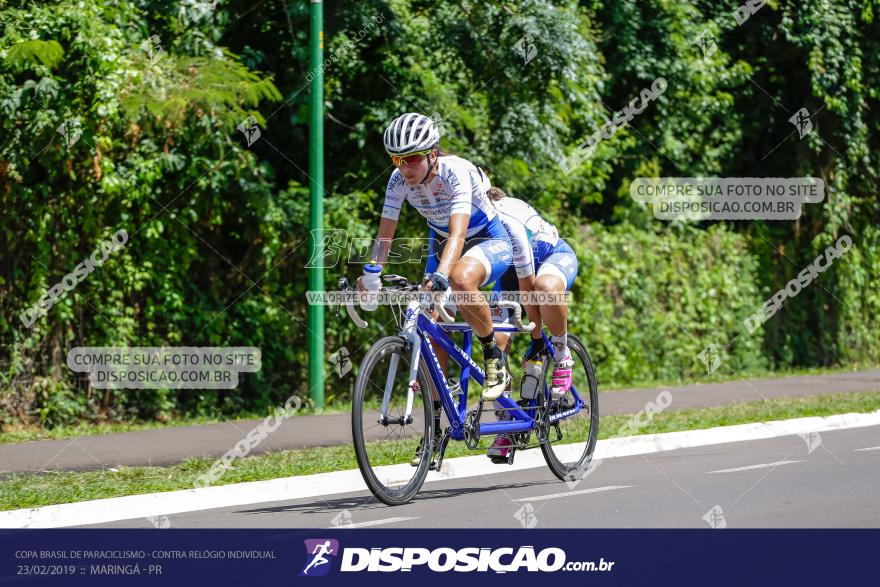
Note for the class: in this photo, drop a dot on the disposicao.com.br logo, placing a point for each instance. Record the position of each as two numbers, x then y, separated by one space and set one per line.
444 559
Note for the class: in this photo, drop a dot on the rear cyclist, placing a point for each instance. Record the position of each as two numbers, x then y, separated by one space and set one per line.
542 262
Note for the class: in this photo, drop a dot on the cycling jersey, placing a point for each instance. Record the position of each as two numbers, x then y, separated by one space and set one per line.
458 187
490 246
533 238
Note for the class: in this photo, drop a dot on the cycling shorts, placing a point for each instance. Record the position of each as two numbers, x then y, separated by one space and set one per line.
561 261
491 247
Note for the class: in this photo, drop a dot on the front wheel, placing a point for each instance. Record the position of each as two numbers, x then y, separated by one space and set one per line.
571 440
385 450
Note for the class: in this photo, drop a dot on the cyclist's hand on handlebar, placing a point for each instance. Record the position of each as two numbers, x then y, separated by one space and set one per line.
435 282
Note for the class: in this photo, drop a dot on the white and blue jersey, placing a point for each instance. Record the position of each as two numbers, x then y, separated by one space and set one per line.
532 237
458 187
537 247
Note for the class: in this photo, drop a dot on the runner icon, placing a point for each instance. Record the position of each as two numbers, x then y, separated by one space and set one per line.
319 552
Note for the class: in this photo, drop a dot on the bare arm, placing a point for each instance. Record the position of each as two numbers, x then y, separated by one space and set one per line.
382 244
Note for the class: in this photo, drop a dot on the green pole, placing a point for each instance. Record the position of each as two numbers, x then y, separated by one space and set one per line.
316 200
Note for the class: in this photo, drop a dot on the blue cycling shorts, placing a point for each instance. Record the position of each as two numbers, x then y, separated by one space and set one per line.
491 247
560 261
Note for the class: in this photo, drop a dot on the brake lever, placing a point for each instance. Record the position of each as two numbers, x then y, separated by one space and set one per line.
345 286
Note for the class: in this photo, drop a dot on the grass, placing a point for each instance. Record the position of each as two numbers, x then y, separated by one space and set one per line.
21 433
30 490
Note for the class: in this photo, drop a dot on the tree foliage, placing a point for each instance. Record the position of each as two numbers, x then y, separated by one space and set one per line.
125 114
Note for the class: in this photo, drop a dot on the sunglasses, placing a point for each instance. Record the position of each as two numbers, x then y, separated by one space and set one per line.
411 159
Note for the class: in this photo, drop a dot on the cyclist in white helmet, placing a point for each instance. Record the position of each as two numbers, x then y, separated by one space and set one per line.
470 247
542 262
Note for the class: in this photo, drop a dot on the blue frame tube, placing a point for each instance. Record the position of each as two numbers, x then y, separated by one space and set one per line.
521 420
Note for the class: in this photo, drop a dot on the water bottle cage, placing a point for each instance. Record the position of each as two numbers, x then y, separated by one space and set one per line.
529 386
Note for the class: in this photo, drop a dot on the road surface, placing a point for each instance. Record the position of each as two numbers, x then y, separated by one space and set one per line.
167 446
771 483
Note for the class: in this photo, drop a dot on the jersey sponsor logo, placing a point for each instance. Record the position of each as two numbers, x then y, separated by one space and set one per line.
452 179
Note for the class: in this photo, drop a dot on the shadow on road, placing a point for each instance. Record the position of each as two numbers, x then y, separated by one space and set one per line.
325 506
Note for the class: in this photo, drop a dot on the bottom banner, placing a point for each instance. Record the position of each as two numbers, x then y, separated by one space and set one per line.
234 557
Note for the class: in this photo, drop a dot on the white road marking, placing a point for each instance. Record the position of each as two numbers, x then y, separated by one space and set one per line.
371 523
750 467
869 448
101 511
570 493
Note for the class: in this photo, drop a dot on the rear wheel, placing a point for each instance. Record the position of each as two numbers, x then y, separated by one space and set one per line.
571 440
384 449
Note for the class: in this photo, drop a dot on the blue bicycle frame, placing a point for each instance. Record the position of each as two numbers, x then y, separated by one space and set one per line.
523 419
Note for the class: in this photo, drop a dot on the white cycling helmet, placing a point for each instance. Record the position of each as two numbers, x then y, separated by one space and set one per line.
409 133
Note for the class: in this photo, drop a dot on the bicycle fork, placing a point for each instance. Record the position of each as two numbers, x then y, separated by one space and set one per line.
415 341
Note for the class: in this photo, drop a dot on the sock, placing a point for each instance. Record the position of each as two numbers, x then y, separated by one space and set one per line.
536 347
560 346
490 349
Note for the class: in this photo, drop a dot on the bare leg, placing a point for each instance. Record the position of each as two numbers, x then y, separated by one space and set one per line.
466 277
555 315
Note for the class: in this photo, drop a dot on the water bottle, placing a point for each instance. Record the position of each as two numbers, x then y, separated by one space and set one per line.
532 376
372 282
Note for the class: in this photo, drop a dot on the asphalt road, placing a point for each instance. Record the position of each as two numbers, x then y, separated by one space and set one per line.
775 483
173 445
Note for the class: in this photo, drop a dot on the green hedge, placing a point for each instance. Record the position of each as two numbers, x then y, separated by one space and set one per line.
648 303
